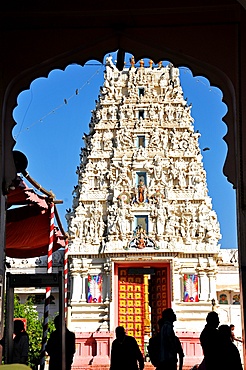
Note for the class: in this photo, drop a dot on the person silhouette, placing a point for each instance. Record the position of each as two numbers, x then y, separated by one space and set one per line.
171 347
54 349
210 342
154 346
231 357
125 352
20 343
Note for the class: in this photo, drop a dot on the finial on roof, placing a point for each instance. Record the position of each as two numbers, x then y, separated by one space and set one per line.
160 64
150 63
141 62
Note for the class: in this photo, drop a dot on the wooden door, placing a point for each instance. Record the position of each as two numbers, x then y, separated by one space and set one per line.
131 305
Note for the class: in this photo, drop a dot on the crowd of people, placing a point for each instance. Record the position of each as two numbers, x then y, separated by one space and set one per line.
218 348
164 349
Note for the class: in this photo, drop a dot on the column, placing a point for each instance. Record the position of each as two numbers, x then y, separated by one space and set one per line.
106 286
84 274
76 280
178 285
202 286
212 286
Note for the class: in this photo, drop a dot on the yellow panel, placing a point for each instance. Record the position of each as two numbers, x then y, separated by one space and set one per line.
122 318
122 288
122 302
130 310
138 303
130 332
138 318
130 295
138 295
122 310
138 327
138 288
122 295
139 341
130 318
130 325
138 311
130 303
130 288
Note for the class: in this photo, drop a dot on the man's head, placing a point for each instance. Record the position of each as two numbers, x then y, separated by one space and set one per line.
120 333
57 322
18 326
225 331
169 315
213 319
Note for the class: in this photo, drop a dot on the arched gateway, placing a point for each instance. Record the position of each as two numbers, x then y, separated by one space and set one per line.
143 234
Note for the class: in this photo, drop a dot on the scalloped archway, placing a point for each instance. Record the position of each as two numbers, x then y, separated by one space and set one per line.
206 37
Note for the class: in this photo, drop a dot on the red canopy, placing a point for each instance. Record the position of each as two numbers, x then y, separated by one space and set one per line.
28 224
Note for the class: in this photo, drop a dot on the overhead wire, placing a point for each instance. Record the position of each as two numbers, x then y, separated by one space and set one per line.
76 93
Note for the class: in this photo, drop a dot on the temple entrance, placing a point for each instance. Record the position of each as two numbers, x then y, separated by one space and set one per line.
142 296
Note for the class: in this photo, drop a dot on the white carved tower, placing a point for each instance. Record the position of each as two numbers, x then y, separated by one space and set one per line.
141 203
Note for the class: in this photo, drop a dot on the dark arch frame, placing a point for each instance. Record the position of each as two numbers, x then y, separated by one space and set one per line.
209 39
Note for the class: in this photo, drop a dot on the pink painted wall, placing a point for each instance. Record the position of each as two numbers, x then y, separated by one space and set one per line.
93 350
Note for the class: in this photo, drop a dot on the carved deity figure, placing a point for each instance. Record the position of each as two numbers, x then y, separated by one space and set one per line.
155 137
107 140
160 220
124 138
121 219
141 192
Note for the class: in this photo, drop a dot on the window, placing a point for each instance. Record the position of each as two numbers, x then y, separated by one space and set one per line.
141 222
141 178
94 288
141 141
190 282
141 114
141 91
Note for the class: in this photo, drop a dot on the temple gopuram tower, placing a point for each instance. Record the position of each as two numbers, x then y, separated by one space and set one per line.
143 233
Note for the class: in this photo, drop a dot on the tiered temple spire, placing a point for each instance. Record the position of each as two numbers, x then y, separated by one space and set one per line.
141 181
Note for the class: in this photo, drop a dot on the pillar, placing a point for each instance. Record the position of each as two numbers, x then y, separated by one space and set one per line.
76 280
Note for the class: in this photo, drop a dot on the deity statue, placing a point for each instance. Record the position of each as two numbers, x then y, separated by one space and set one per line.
141 235
141 192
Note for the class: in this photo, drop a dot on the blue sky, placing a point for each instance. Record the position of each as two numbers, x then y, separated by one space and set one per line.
54 113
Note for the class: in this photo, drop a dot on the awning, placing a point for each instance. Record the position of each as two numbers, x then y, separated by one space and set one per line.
28 224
